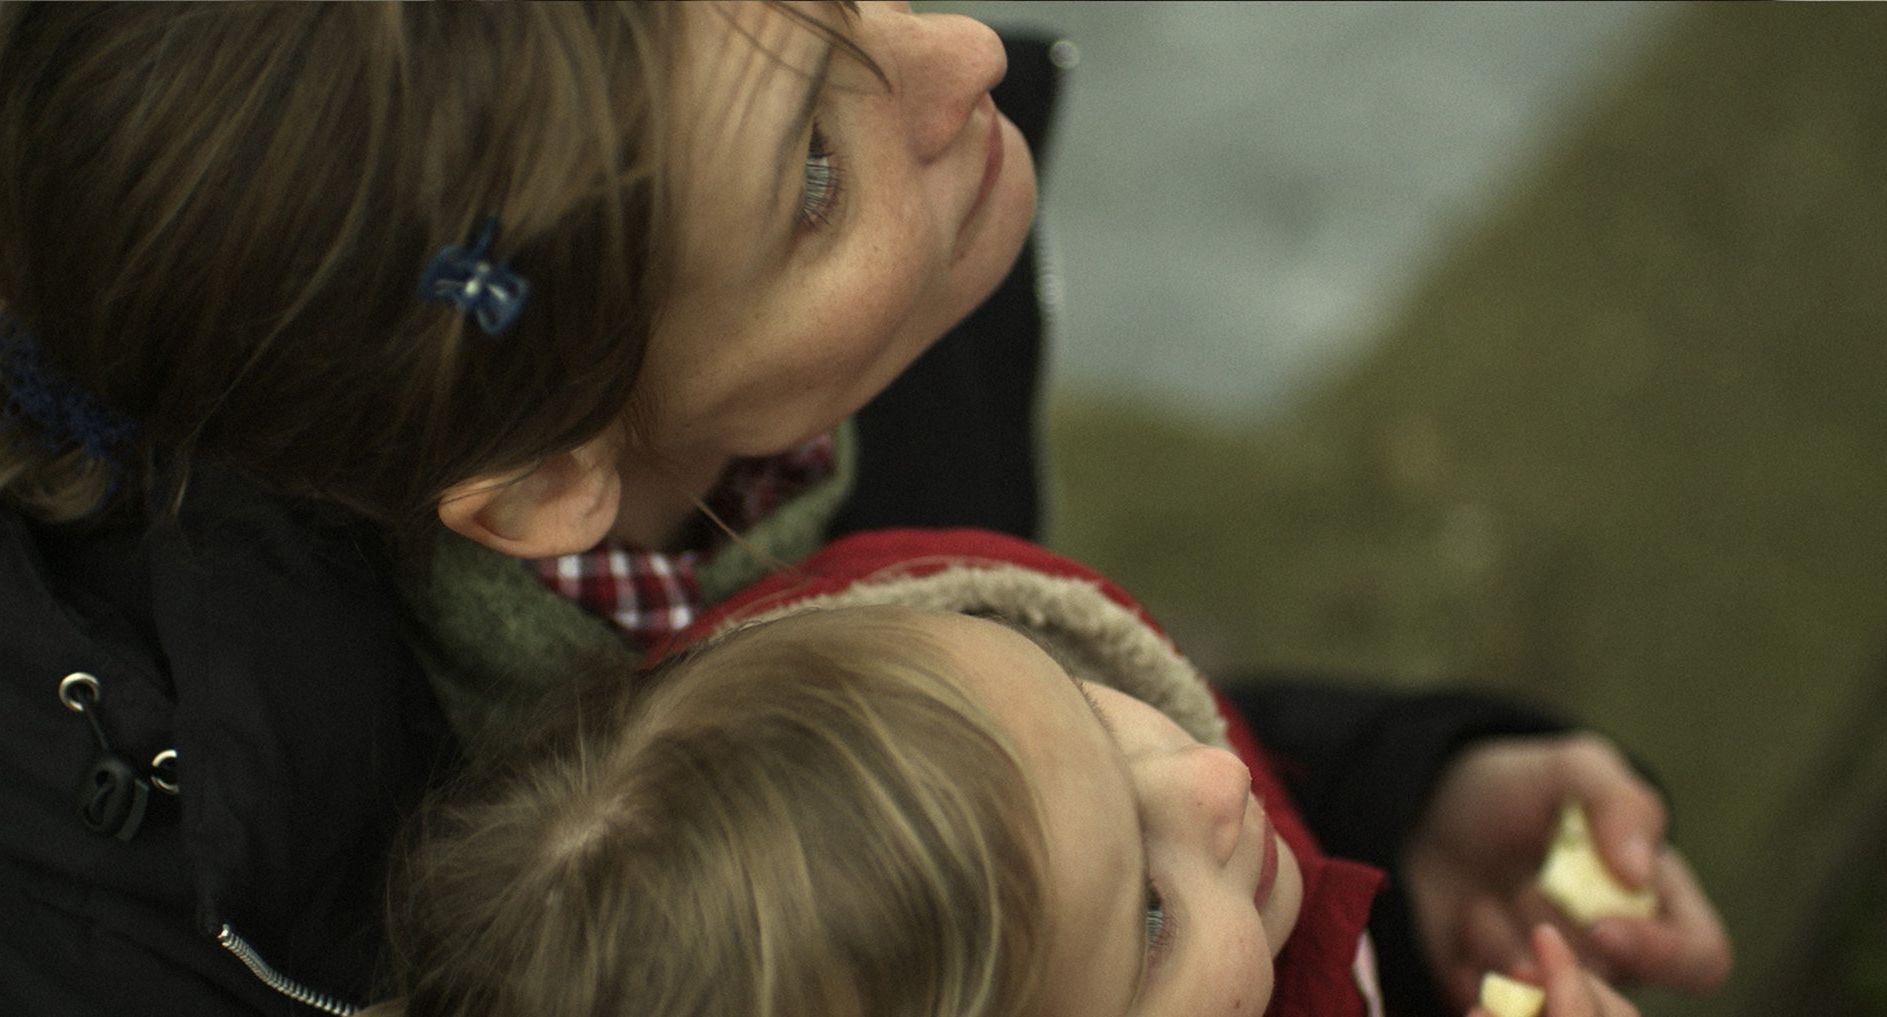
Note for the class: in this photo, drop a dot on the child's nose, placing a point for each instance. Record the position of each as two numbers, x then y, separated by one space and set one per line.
1208 790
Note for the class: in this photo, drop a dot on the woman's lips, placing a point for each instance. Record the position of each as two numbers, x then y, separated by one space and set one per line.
992 160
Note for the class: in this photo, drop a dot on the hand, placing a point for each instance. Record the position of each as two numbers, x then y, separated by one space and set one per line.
1570 991
1470 862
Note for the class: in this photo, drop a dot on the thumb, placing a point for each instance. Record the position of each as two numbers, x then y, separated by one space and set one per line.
1628 818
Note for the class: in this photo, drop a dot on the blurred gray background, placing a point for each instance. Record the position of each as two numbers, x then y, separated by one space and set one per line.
1241 195
1535 346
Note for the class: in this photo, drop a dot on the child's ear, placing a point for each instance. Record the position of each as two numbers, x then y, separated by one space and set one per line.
566 505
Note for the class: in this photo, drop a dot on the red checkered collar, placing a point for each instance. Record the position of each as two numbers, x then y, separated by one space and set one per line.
650 595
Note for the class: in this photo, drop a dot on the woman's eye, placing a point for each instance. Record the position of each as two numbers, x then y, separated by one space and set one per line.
823 182
1159 928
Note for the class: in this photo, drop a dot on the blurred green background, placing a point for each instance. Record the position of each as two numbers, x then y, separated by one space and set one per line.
1622 452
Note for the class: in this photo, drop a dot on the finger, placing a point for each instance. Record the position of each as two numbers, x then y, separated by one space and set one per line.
1685 947
1570 990
1489 940
1607 1000
1627 816
1567 991
1529 907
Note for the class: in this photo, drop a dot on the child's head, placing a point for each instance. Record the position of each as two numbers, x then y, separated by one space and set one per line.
217 220
806 818
868 810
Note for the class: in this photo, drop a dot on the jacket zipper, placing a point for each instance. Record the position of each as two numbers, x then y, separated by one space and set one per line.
1048 286
276 980
1063 55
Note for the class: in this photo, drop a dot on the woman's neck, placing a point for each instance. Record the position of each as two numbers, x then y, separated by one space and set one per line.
660 499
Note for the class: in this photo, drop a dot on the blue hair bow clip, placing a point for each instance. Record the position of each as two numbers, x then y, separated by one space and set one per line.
467 278
64 414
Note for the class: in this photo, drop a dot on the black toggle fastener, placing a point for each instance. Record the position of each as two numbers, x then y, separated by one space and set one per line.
112 798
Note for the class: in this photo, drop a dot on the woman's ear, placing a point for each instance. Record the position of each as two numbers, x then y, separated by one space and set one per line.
566 505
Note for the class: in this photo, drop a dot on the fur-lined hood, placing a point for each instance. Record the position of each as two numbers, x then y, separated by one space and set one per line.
1088 624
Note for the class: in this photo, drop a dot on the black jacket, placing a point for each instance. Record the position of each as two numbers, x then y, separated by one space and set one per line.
263 649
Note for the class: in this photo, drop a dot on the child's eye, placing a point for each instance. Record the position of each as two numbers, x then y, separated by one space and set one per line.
823 182
1159 927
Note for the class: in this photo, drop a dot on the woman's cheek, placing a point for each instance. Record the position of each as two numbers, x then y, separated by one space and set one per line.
871 295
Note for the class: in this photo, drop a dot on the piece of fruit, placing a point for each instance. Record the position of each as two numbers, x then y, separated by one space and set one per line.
1575 878
1505 997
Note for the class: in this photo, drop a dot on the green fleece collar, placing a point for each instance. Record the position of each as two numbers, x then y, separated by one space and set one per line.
492 637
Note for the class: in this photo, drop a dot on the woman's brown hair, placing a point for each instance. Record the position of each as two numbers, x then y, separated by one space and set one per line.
807 818
214 220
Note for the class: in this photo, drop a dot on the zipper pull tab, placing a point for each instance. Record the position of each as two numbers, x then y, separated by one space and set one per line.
112 798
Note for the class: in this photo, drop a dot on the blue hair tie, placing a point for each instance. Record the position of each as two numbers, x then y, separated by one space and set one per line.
64 414
468 279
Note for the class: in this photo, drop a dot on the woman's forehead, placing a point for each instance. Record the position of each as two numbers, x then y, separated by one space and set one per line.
738 61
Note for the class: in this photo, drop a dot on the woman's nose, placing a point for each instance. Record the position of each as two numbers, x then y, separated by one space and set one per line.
945 64
1203 792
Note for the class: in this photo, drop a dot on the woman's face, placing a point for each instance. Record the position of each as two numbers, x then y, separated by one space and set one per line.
831 225
1169 892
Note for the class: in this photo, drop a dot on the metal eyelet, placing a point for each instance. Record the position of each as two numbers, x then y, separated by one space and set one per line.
79 690
164 771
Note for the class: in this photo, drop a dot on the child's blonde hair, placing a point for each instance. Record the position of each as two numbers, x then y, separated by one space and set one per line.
215 219
807 818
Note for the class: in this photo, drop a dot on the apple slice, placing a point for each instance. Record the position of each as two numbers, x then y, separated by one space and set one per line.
1575 878
1506 997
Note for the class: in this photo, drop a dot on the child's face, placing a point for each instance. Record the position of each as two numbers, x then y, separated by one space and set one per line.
1129 799
827 235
